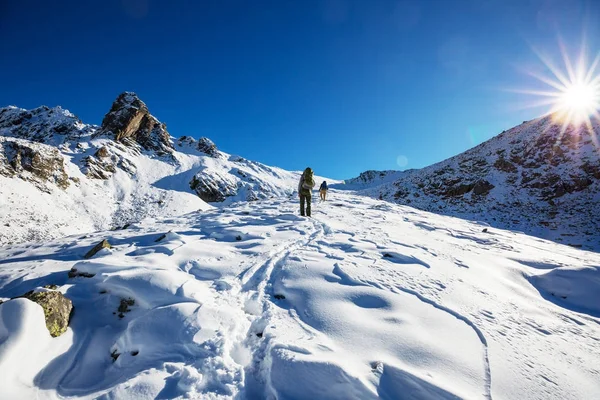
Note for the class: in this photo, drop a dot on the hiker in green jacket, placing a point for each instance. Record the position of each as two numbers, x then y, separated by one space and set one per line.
305 186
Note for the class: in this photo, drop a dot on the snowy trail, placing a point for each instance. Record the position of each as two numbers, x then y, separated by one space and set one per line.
365 300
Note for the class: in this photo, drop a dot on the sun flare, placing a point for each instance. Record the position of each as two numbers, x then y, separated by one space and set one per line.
578 102
573 92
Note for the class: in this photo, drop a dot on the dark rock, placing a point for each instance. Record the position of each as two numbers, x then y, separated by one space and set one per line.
279 297
207 146
74 273
459 190
482 188
161 237
484 230
135 353
115 355
213 187
102 245
503 165
57 310
51 287
124 306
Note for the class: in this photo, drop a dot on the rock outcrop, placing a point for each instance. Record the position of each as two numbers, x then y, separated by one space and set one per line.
34 162
213 187
206 146
129 118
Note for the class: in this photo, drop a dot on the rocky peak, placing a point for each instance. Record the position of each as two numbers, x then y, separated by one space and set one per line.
129 120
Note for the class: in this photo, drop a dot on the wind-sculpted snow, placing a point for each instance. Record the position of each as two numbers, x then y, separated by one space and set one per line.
366 300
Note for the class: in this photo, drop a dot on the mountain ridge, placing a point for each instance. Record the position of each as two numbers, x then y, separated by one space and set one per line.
534 177
60 176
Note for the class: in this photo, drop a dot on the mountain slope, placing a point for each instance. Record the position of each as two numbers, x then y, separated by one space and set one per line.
366 300
59 176
532 178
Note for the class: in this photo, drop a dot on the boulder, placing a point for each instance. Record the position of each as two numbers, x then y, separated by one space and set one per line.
57 309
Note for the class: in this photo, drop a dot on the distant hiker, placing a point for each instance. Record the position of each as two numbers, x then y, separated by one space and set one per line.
323 190
305 186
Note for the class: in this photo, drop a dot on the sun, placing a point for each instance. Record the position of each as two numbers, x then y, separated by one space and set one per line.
578 102
572 92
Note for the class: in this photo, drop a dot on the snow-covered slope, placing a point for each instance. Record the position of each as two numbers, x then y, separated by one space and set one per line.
367 300
533 178
59 176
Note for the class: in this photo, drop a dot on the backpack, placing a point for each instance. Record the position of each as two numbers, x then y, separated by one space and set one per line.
309 181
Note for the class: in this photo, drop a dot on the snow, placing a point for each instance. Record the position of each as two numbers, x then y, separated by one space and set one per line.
366 300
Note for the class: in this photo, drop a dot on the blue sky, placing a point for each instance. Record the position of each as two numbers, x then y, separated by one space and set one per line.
341 85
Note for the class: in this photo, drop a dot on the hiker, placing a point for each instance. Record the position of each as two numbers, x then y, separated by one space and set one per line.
323 190
305 186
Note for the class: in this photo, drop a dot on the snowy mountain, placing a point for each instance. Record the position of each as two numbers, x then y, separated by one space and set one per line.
249 301
533 178
59 176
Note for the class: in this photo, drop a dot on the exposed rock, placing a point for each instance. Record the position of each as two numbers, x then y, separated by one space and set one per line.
207 146
162 237
129 118
74 273
503 165
482 187
102 245
213 187
98 169
37 163
124 305
459 190
102 152
57 310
